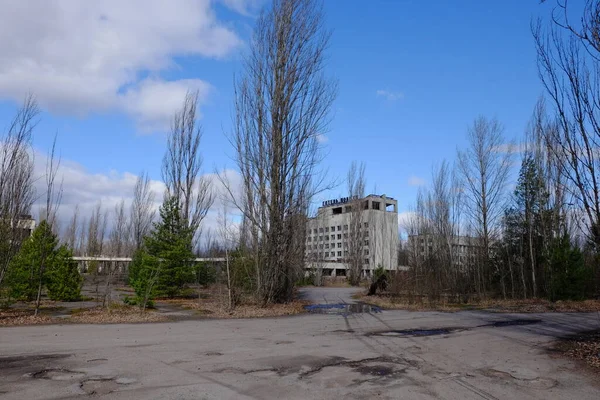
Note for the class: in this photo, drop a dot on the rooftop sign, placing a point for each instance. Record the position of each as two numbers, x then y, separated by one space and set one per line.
341 200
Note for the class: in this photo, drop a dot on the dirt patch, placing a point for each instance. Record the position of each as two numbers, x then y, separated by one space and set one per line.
583 346
417 303
96 315
13 317
213 308
116 315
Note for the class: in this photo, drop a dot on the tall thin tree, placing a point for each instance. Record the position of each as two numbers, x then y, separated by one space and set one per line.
282 104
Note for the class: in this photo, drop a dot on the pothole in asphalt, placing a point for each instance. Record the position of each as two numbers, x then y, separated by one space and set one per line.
101 386
342 308
416 332
513 322
57 374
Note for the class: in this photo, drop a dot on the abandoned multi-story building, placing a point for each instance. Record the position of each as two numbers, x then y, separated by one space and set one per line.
327 235
464 249
23 228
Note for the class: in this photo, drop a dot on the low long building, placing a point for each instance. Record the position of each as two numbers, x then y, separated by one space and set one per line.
328 235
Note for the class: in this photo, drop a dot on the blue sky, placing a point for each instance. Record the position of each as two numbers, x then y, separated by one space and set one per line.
412 76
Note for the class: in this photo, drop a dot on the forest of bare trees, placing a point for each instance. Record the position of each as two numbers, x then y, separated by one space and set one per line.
521 221
504 219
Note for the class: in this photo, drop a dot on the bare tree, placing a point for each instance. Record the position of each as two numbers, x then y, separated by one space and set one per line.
226 238
72 231
182 165
356 192
484 167
142 212
568 66
16 180
96 232
53 199
119 246
282 105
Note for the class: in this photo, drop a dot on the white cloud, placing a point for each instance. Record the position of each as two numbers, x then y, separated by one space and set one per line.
405 218
416 181
153 102
81 56
390 95
322 138
510 148
244 7
83 190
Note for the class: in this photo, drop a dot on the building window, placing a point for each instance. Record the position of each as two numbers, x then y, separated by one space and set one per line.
366 252
332 228
326 245
339 245
345 236
327 229
320 238
367 261
339 227
366 242
339 253
366 224
339 236
320 230
366 233
345 253
326 254
332 237
376 205
309 238
345 227
326 237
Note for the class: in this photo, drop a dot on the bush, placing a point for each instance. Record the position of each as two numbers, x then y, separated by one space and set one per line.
307 279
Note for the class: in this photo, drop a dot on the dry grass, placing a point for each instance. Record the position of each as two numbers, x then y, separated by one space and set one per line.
217 309
115 315
214 304
394 303
584 346
13 317
96 315
508 306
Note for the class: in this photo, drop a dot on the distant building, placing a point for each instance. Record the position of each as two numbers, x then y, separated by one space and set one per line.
464 248
327 235
26 225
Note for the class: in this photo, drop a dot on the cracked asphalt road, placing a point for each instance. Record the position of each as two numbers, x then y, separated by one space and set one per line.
356 356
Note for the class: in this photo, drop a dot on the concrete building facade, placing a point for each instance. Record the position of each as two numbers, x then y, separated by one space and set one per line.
464 249
328 235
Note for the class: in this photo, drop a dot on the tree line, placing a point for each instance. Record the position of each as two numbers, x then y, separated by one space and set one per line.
282 104
472 234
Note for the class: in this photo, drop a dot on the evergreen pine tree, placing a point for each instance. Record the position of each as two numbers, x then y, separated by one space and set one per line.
164 265
59 274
